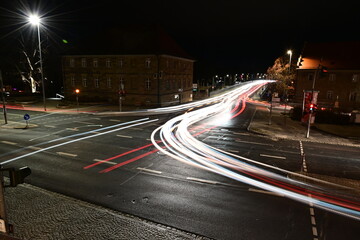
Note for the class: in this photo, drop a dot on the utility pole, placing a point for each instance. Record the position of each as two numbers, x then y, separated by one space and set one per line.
3 97
312 99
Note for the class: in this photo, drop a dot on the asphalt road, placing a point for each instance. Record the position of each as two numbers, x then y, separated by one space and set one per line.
139 180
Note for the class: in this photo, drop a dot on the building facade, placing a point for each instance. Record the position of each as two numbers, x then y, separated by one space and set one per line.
332 69
140 80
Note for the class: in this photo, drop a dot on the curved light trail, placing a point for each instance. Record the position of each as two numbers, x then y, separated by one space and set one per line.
178 143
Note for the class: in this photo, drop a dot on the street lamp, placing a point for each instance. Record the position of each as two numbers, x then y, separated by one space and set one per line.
77 91
290 53
35 20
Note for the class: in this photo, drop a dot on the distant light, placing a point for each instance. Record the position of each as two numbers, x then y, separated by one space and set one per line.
77 91
65 41
34 20
289 52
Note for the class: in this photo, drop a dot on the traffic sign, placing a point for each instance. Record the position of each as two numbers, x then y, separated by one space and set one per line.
26 116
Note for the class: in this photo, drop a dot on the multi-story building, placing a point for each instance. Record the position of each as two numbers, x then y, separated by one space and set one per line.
154 78
333 68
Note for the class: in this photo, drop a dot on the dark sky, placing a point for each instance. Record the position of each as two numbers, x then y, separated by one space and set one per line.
223 36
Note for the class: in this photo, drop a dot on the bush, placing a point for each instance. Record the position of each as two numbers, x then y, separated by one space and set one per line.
296 113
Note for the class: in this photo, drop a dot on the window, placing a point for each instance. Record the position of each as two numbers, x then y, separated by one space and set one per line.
95 63
329 95
147 63
72 80
352 97
355 78
310 77
108 63
83 62
108 82
97 83
121 83
332 77
121 63
84 81
148 84
72 62
160 74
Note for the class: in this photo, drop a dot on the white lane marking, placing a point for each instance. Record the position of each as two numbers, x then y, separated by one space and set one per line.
108 162
124 136
80 139
67 154
233 151
34 148
312 212
265 192
271 156
85 122
9 143
72 129
49 126
114 120
148 170
201 180
264 144
96 118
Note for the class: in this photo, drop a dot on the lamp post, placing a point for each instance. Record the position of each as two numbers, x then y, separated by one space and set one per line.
77 91
35 20
290 55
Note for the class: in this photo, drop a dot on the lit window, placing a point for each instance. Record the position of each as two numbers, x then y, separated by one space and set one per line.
148 84
355 78
332 77
329 95
108 63
83 62
97 83
84 82
72 79
147 63
95 62
72 62
108 82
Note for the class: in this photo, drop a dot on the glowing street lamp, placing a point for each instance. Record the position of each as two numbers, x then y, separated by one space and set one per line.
77 91
36 21
290 53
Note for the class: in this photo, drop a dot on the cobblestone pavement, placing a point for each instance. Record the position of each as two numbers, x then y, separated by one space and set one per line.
39 214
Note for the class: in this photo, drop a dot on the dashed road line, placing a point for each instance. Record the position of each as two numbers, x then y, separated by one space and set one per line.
202 180
124 136
272 156
108 162
265 192
312 212
148 170
67 154
49 126
256 143
233 151
9 143
115 120
34 148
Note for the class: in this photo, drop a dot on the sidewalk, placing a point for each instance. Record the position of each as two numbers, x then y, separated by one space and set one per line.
280 126
39 214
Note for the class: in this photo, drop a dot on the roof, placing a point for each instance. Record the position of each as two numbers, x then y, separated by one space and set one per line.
333 55
131 40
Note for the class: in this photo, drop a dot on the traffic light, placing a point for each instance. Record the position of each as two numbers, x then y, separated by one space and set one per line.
323 71
312 107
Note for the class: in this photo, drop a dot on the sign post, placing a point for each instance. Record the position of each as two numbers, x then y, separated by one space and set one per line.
26 118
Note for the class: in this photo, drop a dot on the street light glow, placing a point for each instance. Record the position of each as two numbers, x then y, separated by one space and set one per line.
34 20
289 52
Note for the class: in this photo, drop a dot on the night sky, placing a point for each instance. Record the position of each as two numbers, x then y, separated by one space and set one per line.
222 36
